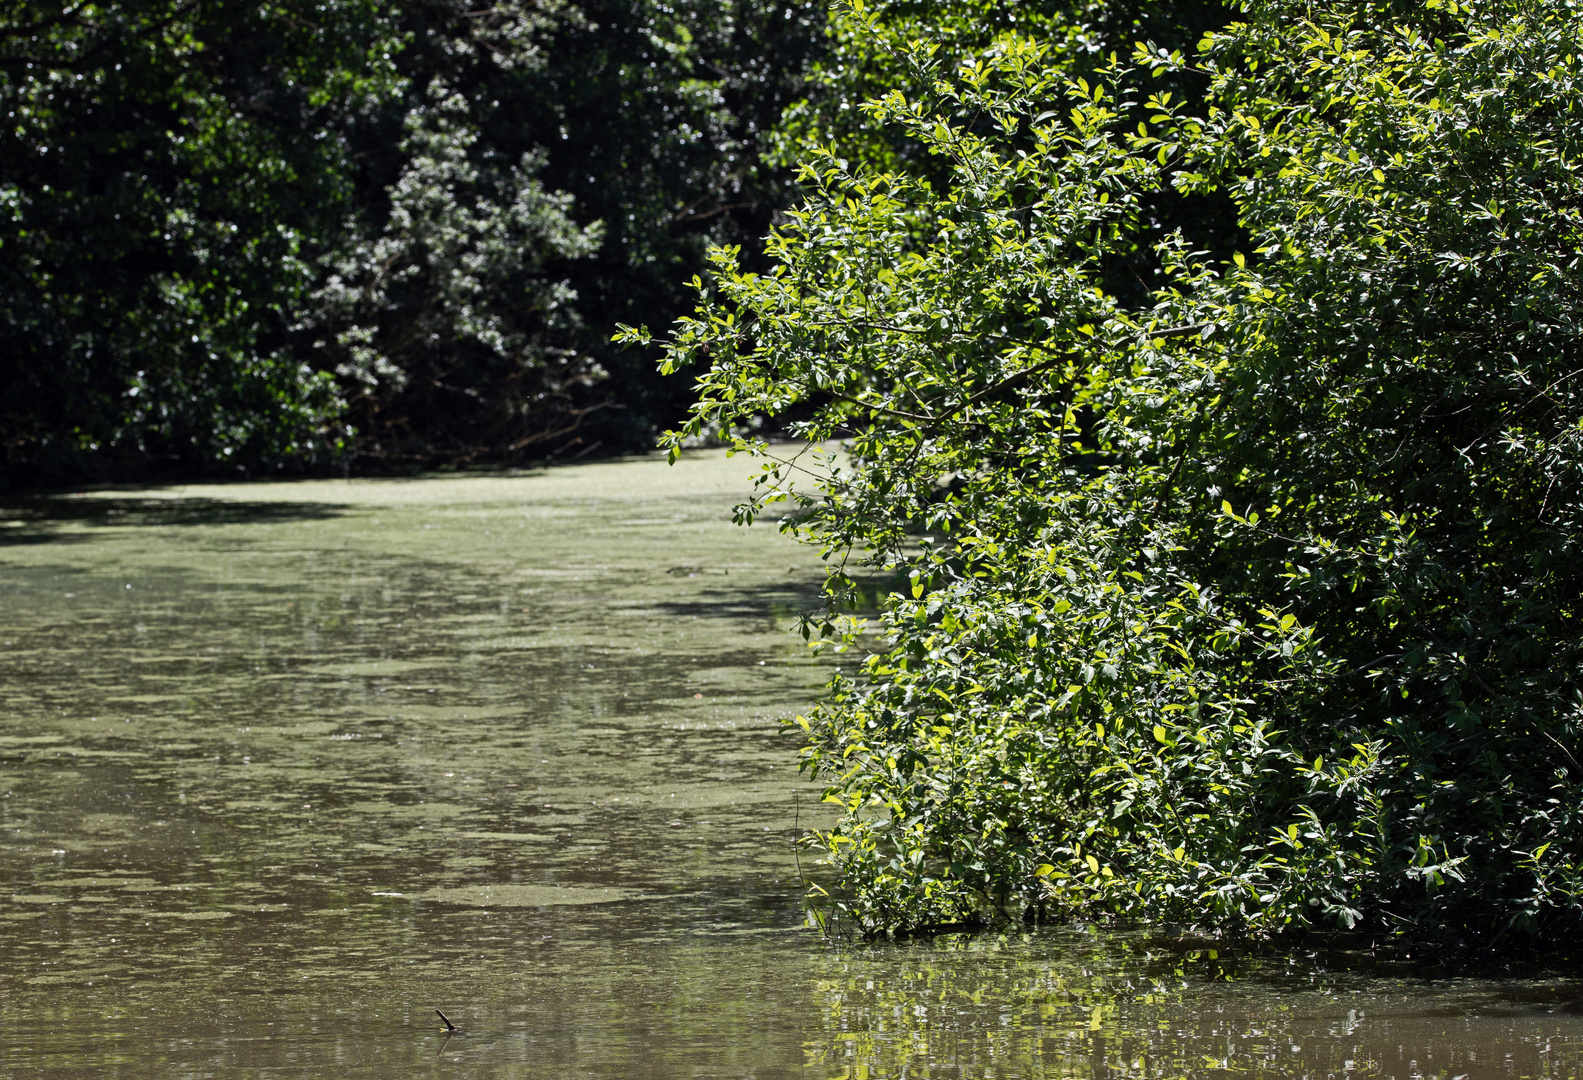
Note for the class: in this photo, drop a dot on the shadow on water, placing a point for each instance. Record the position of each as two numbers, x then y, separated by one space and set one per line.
781 602
39 519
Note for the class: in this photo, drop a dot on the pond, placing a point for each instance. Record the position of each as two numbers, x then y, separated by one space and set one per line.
286 767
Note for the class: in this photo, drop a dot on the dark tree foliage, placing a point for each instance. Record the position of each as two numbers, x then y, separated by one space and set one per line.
550 170
166 172
339 235
443 309
658 117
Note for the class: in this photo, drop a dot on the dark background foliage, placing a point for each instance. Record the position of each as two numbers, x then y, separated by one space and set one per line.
666 121
649 118
299 237
162 169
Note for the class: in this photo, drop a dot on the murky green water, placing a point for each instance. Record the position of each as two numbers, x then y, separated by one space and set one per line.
284 767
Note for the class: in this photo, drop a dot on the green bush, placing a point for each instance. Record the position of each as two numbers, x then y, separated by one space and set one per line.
1249 601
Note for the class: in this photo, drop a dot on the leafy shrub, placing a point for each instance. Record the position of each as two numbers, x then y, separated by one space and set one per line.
1249 601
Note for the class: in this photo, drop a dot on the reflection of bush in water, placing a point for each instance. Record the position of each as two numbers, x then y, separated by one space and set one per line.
1113 1006
984 1011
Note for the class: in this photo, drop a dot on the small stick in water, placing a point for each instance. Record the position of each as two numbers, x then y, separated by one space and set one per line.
448 1025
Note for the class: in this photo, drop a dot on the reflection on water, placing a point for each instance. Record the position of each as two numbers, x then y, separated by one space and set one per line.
285 767
1075 1003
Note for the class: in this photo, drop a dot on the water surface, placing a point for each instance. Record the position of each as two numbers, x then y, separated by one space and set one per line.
285 766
